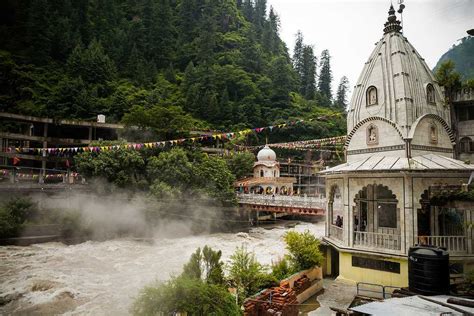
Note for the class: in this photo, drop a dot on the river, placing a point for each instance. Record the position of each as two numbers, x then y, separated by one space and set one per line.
103 278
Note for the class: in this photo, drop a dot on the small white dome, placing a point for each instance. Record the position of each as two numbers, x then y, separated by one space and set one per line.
266 154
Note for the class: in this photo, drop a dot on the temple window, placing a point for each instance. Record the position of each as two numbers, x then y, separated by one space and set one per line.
433 134
371 96
430 93
261 174
466 145
372 135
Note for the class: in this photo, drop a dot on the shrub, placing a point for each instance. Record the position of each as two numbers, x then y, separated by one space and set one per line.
13 215
247 274
303 250
282 269
184 295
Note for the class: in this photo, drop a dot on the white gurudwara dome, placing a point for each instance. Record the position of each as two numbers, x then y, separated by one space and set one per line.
266 154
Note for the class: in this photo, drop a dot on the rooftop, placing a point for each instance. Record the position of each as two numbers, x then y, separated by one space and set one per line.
427 162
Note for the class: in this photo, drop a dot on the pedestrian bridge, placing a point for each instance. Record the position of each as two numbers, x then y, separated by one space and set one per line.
283 204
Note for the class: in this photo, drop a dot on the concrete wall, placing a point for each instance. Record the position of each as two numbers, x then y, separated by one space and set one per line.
356 274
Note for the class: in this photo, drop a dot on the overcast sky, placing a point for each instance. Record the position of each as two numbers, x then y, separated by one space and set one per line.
350 28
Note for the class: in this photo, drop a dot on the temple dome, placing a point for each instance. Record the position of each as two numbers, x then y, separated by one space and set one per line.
266 154
395 84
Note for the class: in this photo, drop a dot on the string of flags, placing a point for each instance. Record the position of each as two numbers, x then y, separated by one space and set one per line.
158 144
307 144
28 176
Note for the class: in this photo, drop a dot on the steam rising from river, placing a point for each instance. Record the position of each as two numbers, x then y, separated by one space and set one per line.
104 277
118 214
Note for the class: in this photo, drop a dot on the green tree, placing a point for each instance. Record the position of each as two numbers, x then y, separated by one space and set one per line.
120 166
165 122
303 250
241 164
308 79
173 168
448 77
247 274
92 64
205 265
325 75
185 295
13 213
282 82
298 54
341 95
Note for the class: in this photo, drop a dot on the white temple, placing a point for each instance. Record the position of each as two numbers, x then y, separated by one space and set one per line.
399 148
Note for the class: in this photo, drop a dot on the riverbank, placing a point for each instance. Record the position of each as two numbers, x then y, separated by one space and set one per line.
96 278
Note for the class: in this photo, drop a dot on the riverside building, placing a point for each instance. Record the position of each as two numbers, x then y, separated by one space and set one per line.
400 149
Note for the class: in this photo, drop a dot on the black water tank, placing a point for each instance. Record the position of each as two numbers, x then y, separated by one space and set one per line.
428 270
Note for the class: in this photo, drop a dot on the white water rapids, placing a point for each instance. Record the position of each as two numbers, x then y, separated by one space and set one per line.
103 278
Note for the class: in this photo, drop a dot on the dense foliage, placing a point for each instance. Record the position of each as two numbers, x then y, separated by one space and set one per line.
168 66
247 274
461 56
167 173
199 290
303 250
205 265
13 214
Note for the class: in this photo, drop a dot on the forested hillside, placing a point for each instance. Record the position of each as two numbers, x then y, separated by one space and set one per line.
463 57
168 65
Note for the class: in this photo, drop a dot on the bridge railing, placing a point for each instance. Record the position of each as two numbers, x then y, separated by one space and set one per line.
282 200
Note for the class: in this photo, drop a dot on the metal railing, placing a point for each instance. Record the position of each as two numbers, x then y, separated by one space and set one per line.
335 232
377 240
282 200
380 291
454 244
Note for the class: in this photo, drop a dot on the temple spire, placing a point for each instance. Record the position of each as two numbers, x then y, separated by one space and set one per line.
392 24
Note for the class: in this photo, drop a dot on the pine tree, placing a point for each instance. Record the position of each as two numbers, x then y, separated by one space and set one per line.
341 95
248 10
325 75
298 54
280 74
259 17
308 79
38 31
270 33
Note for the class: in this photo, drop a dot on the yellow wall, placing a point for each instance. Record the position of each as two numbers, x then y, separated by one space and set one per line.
356 274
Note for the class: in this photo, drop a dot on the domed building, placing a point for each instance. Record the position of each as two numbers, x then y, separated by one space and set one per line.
399 152
266 176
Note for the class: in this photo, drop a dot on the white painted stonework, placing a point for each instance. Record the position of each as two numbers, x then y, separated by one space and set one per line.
399 147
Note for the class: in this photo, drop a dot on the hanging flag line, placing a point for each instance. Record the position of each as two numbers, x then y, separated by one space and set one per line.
304 144
157 144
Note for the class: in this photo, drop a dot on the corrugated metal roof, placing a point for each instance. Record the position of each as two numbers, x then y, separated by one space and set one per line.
412 305
386 163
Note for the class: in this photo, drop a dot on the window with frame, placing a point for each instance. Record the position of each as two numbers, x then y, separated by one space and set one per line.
466 145
430 93
372 98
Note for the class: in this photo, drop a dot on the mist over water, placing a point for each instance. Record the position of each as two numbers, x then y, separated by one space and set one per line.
103 278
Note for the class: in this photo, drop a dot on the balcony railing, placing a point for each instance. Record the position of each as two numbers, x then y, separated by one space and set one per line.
335 232
454 244
377 240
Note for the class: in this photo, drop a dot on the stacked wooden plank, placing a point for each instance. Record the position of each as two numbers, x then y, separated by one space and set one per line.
276 301
302 284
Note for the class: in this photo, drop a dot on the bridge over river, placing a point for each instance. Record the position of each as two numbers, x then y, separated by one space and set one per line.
281 205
